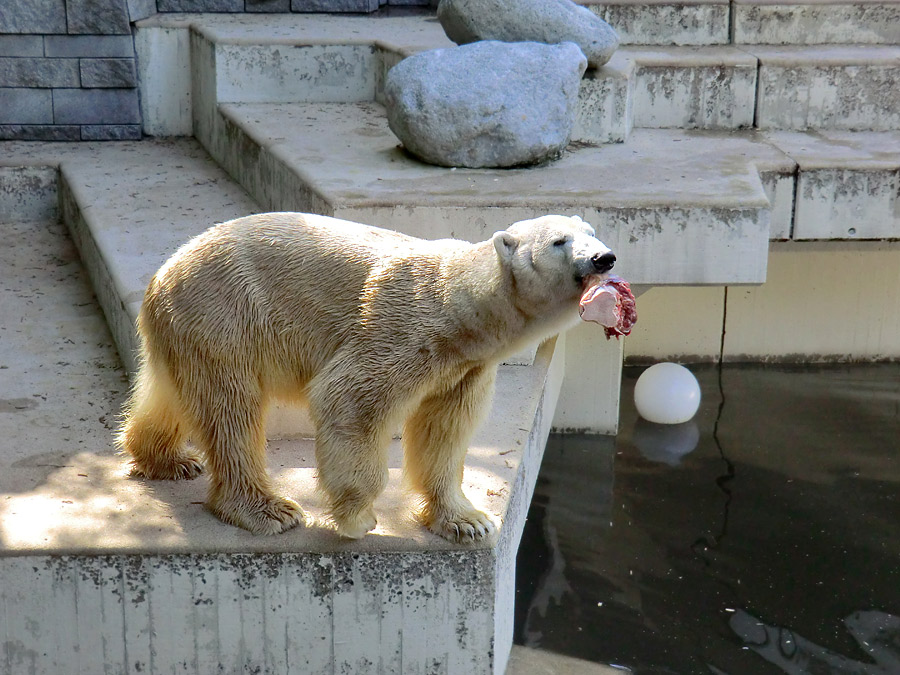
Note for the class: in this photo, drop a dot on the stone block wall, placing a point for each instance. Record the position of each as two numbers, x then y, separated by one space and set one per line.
67 67
283 5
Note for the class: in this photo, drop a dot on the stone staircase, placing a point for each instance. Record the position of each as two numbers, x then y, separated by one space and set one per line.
718 128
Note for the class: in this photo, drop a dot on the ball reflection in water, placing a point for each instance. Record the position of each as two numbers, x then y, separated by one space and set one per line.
665 443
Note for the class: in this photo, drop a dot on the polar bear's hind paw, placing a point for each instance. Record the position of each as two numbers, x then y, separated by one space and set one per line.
182 467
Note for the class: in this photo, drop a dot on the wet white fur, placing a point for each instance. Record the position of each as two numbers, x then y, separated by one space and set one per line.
369 328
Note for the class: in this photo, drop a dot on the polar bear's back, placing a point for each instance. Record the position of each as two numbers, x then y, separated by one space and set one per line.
284 282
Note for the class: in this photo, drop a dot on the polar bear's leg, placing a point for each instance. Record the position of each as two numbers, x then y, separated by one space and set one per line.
154 431
352 466
435 438
355 407
228 415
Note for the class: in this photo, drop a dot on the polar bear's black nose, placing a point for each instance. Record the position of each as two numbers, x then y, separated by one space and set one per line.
603 262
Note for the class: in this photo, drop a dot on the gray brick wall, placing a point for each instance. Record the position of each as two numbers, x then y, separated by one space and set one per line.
67 69
257 6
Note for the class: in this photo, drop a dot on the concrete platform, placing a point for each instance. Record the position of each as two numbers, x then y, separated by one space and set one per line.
848 184
103 573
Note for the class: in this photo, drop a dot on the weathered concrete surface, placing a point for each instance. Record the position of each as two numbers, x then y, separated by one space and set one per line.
28 193
665 22
849 184
550 21
130 207
676 207
693 87
486 104
777 22
833 87
605 103
524 661
263 613
791 317
165 80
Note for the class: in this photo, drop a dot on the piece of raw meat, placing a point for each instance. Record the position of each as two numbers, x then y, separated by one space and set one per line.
609 302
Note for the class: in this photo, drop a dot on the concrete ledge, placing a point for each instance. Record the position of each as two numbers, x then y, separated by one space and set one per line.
851 88
777 22
664 22
703 197
267 613
848 184
693 87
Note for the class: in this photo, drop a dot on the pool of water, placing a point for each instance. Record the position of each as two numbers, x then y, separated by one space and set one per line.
761 537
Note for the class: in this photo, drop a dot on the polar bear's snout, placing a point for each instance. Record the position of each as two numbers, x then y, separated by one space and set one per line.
603 262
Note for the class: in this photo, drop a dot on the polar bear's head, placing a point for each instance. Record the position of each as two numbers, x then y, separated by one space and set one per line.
550 259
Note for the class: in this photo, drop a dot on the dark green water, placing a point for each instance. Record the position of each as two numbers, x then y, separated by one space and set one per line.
773 546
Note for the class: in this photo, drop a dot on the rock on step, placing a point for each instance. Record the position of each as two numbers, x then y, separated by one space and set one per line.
549 21
516 104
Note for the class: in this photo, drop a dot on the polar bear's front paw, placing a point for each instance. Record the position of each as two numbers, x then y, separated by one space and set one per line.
261 514
465 526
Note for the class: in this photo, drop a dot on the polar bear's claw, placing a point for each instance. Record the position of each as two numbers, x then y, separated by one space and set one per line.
470 526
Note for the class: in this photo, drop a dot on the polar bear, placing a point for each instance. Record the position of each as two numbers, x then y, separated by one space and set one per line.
369 328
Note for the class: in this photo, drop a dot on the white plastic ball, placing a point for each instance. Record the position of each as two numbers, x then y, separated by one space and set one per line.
667 393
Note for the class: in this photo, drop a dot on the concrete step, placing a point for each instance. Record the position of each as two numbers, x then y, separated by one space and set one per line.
678 208
339 158
717 22
829 87
340 59
847 185
816 186
666 22
777 22
102 573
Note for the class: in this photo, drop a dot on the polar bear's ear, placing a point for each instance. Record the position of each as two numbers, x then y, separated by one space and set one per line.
505 243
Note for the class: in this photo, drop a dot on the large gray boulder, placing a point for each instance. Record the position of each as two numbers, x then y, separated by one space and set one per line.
487 104
549 21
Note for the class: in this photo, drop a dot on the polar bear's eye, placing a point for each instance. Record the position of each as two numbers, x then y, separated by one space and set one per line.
561 242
